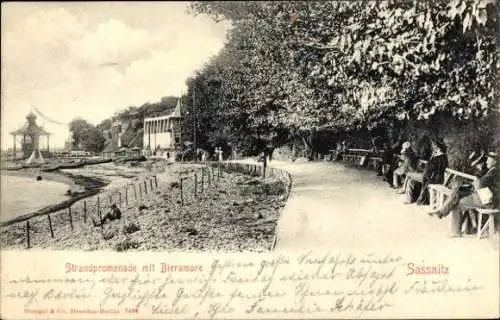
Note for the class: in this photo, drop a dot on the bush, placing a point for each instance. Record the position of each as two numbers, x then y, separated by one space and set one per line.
108 235
130 227
274 188
126 245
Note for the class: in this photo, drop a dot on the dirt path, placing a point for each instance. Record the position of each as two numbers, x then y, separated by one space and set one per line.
334 205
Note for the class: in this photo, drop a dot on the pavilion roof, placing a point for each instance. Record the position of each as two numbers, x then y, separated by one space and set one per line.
28 128
177 111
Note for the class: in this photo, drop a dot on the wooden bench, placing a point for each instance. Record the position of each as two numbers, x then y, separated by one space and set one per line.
374 162
490 223
439 192
355 156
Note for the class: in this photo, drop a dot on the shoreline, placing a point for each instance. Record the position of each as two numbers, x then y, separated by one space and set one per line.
81 187
235 212
78 185
51 176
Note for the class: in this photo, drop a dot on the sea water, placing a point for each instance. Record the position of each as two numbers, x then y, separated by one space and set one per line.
22 195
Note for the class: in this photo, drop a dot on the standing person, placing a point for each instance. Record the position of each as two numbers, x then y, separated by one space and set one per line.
270 151
433 174
219 154
459 202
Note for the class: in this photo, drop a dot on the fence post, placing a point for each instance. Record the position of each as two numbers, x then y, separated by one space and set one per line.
126 195
50 226
140 190
218 173
195 184
151 183
99 210
110 198
28 234
209 178
156 182
70 218
264 165
135 192
182 194
119 198
85 211
145 187
202 181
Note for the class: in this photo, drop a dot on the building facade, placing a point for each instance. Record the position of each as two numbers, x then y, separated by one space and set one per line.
162 134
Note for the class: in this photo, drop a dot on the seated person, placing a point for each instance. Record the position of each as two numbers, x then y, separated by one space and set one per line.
478 163
341 149
388 161
433 174
459 202
114 213
407 164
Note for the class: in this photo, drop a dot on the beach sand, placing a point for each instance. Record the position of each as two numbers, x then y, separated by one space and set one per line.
234 213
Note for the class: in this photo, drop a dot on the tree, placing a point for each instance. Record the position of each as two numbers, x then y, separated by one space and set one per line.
289 67
86 136
79 129
94 140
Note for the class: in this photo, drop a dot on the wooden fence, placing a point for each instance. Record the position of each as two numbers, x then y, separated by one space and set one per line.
259 170
91 209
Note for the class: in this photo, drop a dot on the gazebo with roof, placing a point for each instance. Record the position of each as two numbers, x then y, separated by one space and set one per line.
30 145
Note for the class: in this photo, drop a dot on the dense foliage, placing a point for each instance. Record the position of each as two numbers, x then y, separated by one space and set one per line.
132 120
291 68
86 136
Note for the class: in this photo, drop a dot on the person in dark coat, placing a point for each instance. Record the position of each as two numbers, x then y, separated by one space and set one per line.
459 202
388 160
114 213
433 174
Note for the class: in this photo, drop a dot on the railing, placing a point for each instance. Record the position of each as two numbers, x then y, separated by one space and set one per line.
259 170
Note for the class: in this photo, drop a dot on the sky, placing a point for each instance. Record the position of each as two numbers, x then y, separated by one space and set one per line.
92 59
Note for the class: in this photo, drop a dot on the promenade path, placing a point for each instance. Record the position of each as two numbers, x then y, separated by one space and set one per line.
336 209
336 205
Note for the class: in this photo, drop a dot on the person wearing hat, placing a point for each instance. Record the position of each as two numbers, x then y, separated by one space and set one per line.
457 204
417 190
408 164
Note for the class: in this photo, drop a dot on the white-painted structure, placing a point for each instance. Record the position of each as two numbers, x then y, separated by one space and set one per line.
162 135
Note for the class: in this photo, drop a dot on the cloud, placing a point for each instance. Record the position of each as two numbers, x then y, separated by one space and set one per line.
92 59
111 42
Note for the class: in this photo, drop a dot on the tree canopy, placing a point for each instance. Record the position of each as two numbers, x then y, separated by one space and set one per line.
288 67
86 136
